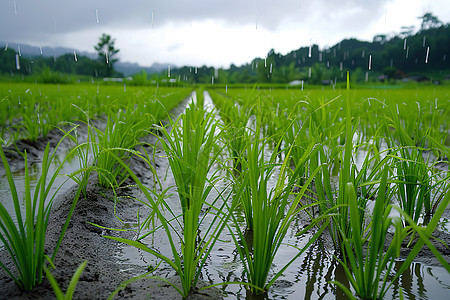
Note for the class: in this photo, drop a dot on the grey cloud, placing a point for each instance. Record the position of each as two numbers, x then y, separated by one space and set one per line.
36 20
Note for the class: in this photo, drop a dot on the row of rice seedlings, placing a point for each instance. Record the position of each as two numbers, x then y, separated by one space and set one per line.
189 147
31 111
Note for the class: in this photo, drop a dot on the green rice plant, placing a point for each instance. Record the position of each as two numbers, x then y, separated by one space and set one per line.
366 273
72 285
342 158
418 189
272 213
188 146
413 182
24 238
235 118
122 133
368 267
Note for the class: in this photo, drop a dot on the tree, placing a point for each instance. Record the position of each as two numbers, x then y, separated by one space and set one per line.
429 21
106 52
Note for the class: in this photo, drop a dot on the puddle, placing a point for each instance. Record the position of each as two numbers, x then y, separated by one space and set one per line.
62 182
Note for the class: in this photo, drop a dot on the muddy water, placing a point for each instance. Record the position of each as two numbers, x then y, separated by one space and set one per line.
61 184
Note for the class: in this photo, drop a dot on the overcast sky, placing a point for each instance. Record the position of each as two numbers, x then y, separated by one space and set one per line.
206 32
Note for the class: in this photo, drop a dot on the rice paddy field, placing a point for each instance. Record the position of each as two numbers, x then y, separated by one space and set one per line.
115 191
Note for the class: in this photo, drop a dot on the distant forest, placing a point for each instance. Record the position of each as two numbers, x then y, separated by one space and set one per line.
387 57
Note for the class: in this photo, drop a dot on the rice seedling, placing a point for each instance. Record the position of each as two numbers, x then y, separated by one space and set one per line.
121 133
366 273
24 238
268 214
72 285
235 118
368 267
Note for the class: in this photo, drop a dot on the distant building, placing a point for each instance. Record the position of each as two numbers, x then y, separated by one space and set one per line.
417 78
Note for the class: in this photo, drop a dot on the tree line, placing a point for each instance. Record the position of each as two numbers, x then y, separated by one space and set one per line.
398 55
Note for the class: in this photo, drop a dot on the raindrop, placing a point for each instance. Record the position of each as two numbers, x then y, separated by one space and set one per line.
195 70
75 55
265 62
302 85
341 66
6 47
310 50
404 44
18 50
328 63
168 71
309 73
106 57
40 49
17 62
370 62
96 16
407 52
124 87
363 53
226 89
216 73
435 103
153 21
15 7
367 76
392 62
428 54
212 79
320 56
444 57
424 40
270 70
256 21
397 109
28 91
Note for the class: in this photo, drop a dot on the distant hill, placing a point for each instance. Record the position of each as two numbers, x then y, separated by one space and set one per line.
33 51
126 68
